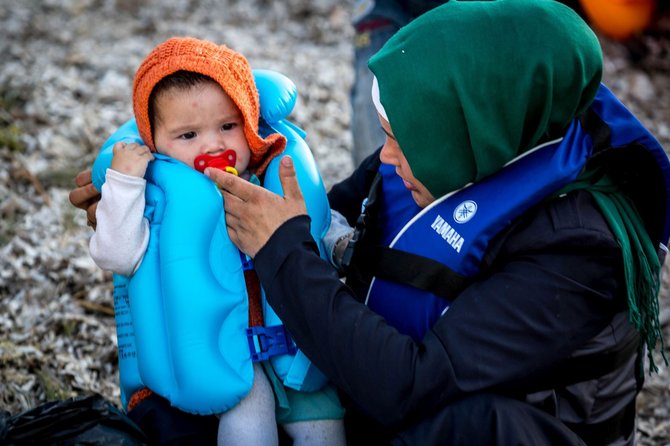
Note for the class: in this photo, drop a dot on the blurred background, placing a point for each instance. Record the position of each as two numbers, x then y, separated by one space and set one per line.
65 86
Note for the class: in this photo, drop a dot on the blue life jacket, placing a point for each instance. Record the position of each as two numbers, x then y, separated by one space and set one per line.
182 318
437 251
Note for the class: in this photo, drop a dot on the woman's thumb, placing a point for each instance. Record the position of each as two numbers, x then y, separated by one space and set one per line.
288 179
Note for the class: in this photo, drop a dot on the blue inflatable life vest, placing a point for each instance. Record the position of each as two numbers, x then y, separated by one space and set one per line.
456 229
182 318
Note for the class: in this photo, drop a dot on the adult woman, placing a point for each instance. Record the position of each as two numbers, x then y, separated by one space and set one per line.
462 91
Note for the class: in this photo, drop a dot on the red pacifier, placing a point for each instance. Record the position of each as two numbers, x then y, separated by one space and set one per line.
224 161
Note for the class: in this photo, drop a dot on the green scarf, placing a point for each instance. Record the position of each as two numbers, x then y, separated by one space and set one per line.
470 85
641 263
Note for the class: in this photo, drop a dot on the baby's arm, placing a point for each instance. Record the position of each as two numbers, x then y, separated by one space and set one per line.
336 239
122 234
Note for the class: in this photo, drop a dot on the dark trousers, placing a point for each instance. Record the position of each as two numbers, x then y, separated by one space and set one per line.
489 420
165 425
478 420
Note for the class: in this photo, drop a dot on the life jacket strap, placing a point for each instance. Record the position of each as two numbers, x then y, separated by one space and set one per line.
410 269
266 342
254 293
363 222
254 298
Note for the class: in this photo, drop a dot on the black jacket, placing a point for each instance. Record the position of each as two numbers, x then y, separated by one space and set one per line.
552 289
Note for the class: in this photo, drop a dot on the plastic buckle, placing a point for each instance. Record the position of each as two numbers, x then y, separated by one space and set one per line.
359 232
266 342
247 262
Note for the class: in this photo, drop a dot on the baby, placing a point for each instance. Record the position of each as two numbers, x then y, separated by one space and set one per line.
196 101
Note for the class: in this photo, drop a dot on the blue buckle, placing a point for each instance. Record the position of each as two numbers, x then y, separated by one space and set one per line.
266 342
247 263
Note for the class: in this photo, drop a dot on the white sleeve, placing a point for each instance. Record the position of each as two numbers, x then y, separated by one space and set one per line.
122 233
339 228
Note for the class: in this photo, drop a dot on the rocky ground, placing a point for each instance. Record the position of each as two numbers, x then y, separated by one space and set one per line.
65 84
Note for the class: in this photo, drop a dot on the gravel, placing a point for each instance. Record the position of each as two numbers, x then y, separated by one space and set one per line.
65 85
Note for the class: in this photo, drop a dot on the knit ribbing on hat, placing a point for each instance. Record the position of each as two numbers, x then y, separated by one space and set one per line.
227 68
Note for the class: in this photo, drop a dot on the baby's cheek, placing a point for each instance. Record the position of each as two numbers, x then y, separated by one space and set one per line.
241 166
242 163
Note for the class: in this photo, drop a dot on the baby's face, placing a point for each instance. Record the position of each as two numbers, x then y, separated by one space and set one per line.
202 119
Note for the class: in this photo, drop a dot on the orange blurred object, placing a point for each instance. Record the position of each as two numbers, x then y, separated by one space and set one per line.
619 19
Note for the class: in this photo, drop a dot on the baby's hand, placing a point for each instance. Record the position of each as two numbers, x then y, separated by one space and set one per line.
131 159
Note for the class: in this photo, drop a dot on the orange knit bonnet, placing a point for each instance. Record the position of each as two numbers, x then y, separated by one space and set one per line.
226 67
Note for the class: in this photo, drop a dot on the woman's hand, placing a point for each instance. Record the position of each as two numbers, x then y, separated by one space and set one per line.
253 214
85 196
